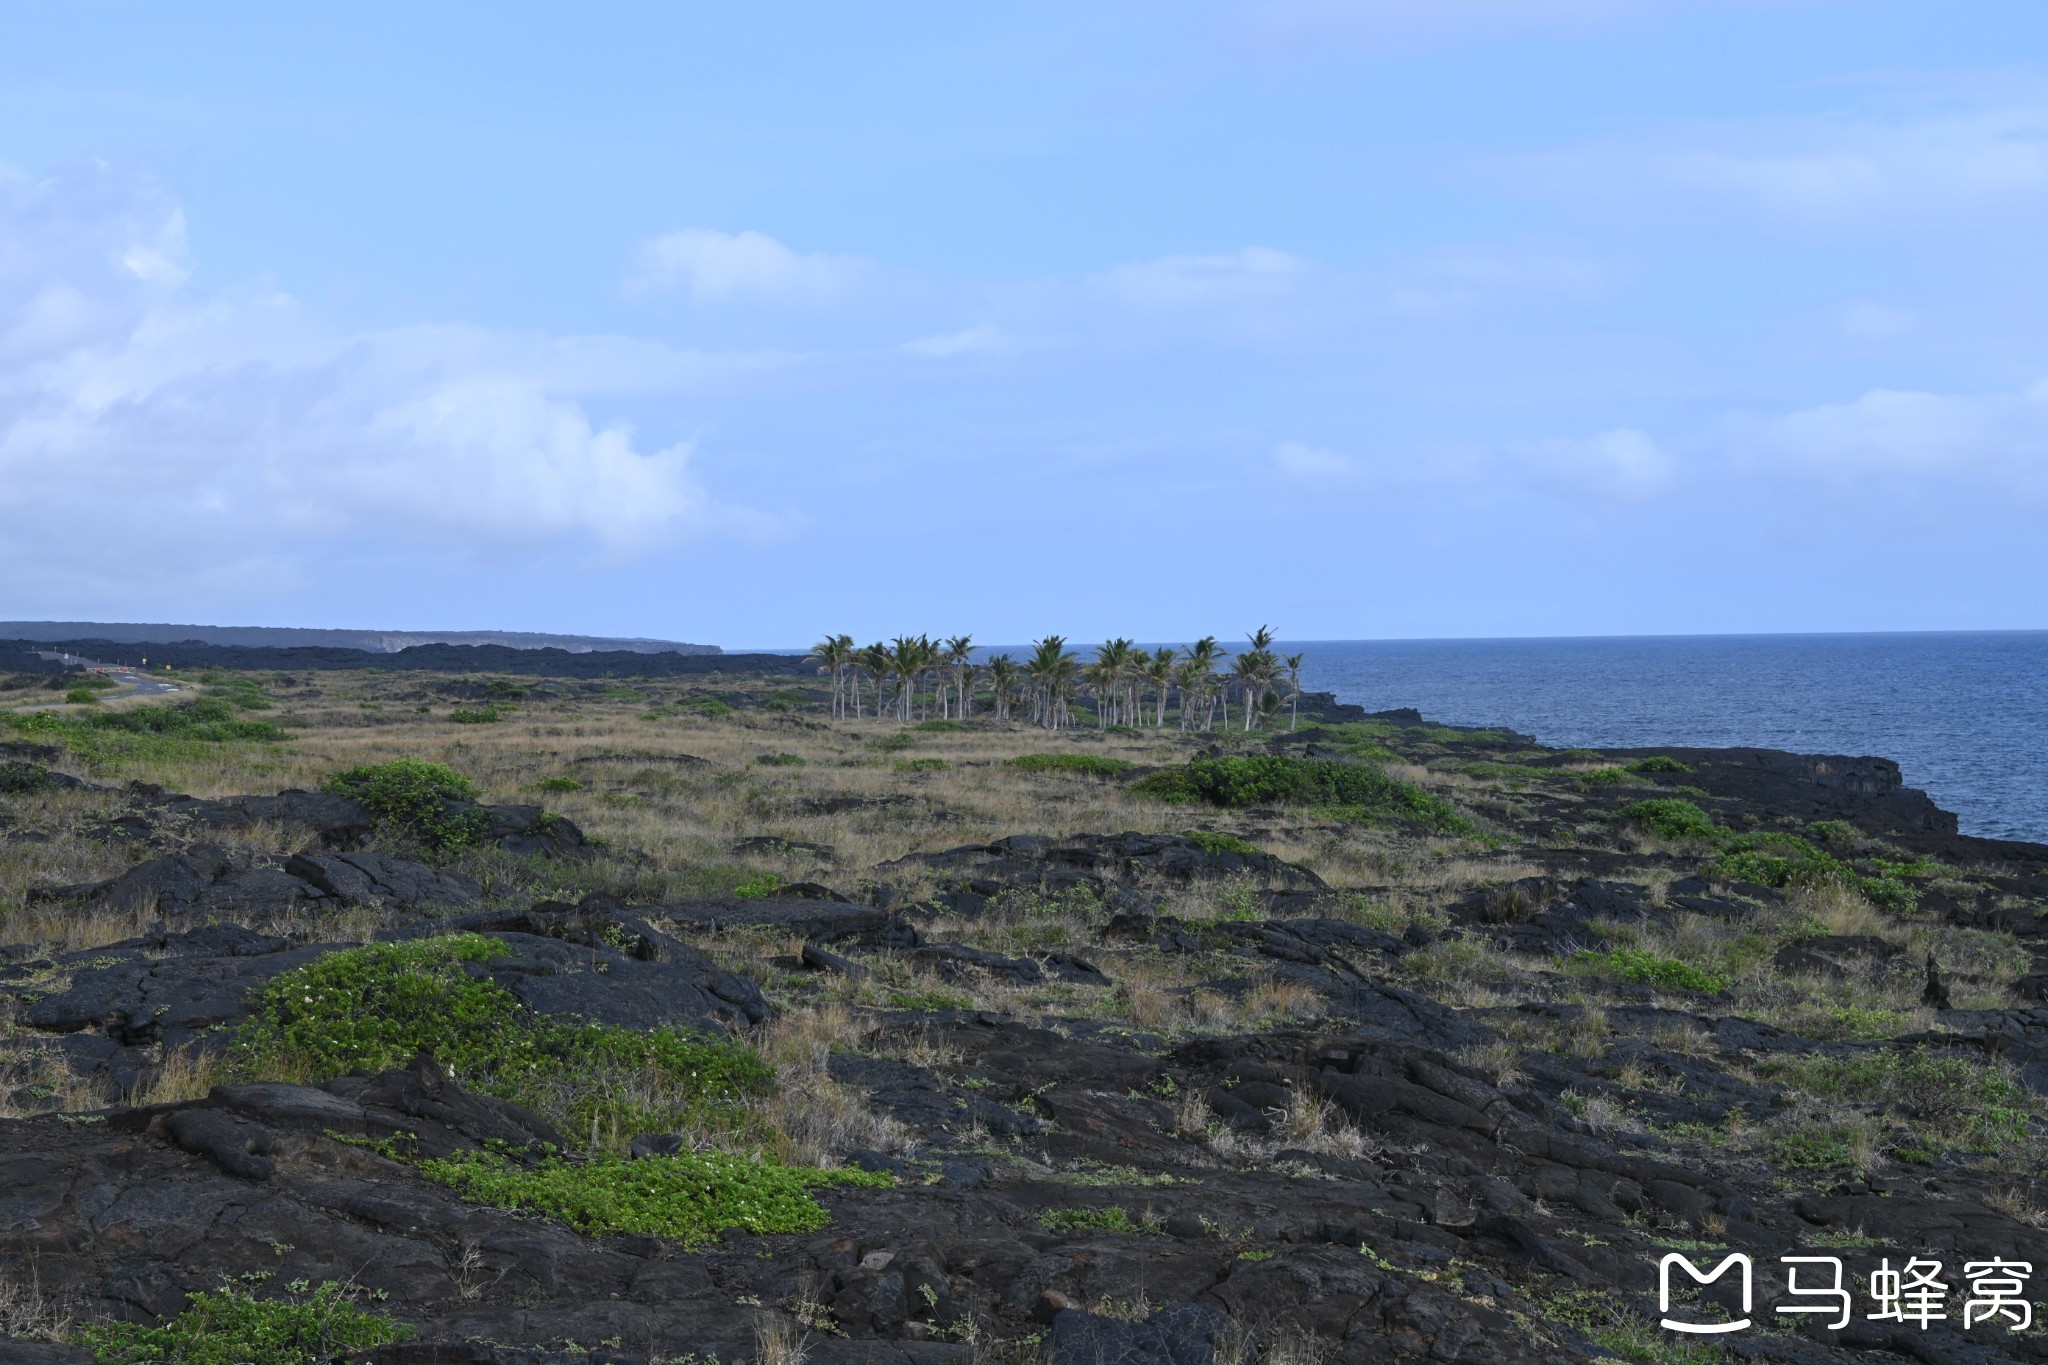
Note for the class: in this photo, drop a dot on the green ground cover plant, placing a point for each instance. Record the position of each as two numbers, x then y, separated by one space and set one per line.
1515 774
1672 818
378 1007
1658 763
1962 1099
691 1196
1095 765
414 795
476 715
1778 859
1111 1219
20 779
230 1326
1210 841
1817 1149
1353 791
239 690
1624 963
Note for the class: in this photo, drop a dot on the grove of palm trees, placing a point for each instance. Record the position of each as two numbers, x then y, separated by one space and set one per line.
916 678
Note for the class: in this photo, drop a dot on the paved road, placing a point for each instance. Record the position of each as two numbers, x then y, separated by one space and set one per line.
134 681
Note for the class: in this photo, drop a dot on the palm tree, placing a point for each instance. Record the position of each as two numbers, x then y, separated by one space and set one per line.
1106 677
1052 671
875 659
1159 671
1254 670
1293 662
1200 670
834 654
1002 677
960 658
908 657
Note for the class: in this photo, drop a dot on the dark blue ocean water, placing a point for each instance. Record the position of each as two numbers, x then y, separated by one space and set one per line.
1965 714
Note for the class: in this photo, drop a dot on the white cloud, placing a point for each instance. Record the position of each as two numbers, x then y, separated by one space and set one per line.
1315 464
1622 465
1456 280
200 431
1254 274
1866 320
1378 23
1874 170
720 267
1944 439
981 339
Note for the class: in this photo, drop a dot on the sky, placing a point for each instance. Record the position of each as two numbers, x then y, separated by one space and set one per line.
746 324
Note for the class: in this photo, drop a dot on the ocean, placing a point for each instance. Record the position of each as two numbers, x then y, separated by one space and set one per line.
1965 714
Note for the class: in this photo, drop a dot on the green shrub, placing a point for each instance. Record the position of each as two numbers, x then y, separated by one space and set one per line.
1816 1149
229 1326
239 690
1354 791
939 727
1604 777
1209 841
21 779
378 1007
707 706
1514 774
1776 860
1672 818
920 765
779 760
415 795
476 715
691 1196
929 1001
1693 793
758 885
555 784
1111 1219
82 695
895 743
1647 969
1658 763
1094 765
141 731
1938 1085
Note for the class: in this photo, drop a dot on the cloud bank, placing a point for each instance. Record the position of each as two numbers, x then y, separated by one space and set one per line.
222 433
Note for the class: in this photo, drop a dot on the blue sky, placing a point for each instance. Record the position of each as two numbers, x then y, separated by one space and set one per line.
1369 318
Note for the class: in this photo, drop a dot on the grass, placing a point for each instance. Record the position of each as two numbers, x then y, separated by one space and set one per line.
231 1326
1351 791
1671 818
691 1196
377 1007
1111 1219
1094 765
1646 969
1210 841
110 734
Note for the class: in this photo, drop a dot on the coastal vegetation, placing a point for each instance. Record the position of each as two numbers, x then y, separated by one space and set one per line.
1099 964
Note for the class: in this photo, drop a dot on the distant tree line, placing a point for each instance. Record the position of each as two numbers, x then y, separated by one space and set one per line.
914 677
